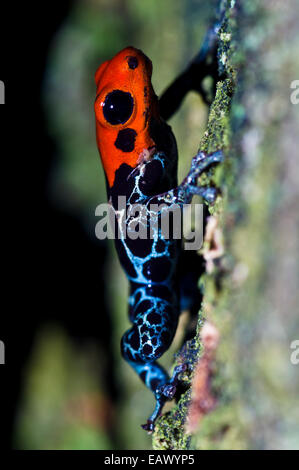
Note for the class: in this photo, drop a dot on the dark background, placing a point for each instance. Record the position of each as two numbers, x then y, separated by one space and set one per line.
40 239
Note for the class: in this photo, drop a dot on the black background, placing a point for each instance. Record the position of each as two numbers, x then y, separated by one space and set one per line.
49 266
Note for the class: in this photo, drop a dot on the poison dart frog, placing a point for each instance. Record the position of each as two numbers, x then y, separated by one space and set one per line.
139 156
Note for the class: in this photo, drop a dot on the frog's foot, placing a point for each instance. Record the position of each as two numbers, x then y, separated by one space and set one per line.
209 194
164 393
200 163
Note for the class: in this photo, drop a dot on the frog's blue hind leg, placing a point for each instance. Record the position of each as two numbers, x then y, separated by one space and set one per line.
190 268
159 382
154 325
163 393
152 374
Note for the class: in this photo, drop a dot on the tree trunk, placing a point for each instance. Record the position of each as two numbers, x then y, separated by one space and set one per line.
243 389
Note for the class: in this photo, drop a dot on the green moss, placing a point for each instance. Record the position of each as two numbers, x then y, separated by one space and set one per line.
170 433
217 134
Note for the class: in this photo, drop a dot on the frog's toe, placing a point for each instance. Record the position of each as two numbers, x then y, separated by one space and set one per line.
149 426
202 161
209 194
168 391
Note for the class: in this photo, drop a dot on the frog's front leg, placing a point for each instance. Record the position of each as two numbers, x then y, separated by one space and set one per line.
200 163
184 193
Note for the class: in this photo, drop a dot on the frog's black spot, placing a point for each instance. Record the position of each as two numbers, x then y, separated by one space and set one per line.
144 306
140 247
135 340
147 349
154 341
132 62
157 269
153 318
143 329
126 140
123 184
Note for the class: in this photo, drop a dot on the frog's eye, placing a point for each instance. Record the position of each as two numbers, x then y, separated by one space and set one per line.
118 107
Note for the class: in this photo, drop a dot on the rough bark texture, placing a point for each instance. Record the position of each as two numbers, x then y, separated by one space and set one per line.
242 390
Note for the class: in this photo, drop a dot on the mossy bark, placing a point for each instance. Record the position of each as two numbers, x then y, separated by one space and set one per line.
250 287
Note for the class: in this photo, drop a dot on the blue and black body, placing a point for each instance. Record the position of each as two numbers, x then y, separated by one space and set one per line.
161 279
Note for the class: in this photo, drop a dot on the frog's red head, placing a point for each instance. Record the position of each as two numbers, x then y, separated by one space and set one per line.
124 104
